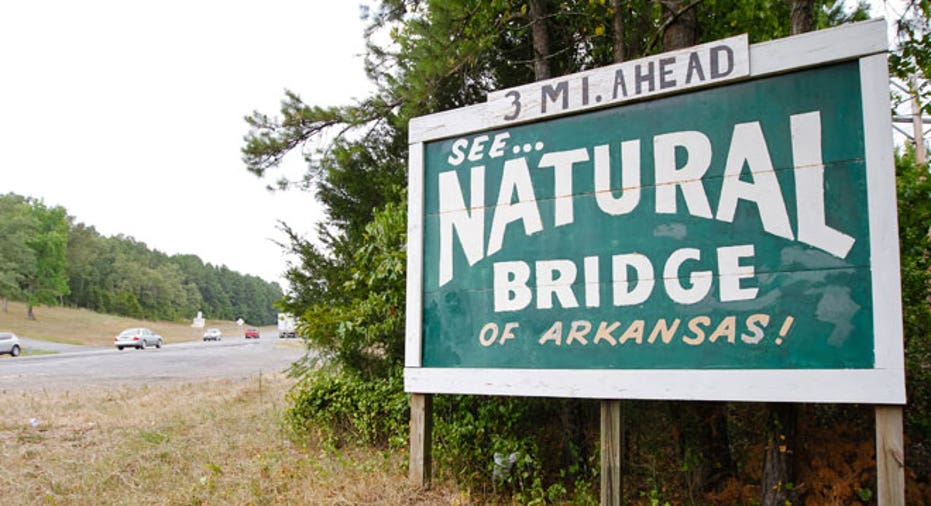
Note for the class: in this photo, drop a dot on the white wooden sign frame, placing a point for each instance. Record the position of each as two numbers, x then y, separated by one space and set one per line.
883 384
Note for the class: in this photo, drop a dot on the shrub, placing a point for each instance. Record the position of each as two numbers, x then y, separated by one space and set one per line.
345 409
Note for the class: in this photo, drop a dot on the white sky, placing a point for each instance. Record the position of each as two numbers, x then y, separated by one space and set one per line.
130 114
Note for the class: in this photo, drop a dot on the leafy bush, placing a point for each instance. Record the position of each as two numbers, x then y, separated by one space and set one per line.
526 437
524 448
355 323
346 409
914 196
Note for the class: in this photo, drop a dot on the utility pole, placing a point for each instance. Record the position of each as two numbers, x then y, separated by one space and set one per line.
917 136
917 124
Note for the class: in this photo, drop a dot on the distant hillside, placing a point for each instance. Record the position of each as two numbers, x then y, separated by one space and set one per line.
47 258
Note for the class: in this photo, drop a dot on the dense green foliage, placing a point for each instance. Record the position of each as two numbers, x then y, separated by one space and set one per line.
17 259
46 258
32 258
912 58
914 189
348 286
123 276
346 409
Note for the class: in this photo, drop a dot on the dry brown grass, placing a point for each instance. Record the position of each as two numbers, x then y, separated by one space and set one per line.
81 326
208 443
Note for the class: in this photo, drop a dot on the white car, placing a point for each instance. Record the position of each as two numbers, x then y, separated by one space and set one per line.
137 338
9 343
212 335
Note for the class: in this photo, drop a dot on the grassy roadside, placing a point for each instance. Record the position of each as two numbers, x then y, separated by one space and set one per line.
207 443
213 442
80 326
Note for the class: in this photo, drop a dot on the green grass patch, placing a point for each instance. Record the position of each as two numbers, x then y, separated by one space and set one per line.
53 339
32 353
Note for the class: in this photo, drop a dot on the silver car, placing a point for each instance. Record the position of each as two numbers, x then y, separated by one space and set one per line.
137 338
212 335
9 343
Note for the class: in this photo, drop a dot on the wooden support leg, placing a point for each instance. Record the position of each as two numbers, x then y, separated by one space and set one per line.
890 457
421 464
611 436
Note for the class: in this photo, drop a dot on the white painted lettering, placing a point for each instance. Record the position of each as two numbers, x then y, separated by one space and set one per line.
629 179
809 187
623 294
562 162
478 145
497 146
515 178
469 223
457 152
555 278
748 146
688 177
592 286
730 273
700 281
511 292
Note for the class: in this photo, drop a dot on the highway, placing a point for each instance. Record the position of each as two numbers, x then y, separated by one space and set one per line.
232 357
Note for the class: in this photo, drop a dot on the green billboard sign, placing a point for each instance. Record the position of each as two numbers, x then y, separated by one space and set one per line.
733 233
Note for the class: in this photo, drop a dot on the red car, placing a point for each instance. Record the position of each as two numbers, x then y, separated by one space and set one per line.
252 333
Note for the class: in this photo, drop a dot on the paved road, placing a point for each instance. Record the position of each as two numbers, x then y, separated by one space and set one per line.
233 357
38 344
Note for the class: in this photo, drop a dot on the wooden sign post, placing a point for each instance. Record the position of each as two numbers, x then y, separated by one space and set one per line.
421 459
612 444
890 456
713 223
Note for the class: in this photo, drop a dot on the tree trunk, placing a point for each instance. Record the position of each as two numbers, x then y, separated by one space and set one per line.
541 40
682 30
643 27
30 314
782 418
6 303
704 445
703 425
573 420
778 462
803 16
618 25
